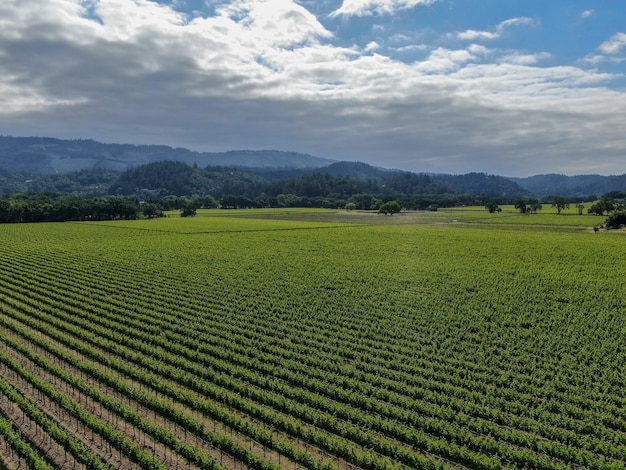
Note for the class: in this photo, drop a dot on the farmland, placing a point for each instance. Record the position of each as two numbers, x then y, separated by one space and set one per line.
313 339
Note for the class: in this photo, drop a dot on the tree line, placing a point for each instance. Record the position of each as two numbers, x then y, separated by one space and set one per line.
56 207
148 190
48 207
341 179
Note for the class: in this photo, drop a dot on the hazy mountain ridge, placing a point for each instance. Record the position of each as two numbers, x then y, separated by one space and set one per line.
404 181
483 183
47 155
178 178
571 186
49 164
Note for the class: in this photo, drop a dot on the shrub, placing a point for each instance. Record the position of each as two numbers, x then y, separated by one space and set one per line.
616 220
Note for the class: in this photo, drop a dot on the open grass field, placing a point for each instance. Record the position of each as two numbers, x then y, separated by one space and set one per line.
314 339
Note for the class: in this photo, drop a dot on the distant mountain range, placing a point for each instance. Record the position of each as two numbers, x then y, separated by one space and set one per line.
45 155
44 163
572 186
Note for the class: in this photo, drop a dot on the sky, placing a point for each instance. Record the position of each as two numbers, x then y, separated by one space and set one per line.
507 87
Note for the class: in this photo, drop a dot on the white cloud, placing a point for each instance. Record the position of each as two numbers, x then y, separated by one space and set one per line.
267 74
124 18
443 60
372 46
281 23
614 45
587 14
413 48
525 59
597 59
380 7
472 35
515 22
609 51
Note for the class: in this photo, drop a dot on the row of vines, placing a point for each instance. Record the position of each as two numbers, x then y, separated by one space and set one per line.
231 343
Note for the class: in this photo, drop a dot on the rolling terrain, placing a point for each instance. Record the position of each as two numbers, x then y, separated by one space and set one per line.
313 339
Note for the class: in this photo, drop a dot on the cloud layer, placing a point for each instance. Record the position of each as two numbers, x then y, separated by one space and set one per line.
380 7
614 45
500 29
269 74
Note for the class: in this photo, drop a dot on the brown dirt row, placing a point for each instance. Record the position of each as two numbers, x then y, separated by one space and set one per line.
161 452
260 449
256 448
38 438
80 431
9 459
282 462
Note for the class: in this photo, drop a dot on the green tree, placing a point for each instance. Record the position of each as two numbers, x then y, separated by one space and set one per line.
560 202
350 206
616 220
376 203
521 205
188 212
288 200
151 210
5 207
492 207
187 209
580 208
237 202
533 205
390 208
605 204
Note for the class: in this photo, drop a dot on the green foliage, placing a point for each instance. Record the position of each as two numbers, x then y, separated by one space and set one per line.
521 206
528 206
375 203
579 187
301 339
236 202
390 208
188 211
607 204
482 183
334 186
533 206
493 207
560 202
151 210
616 220
18 444
603 206
179 179
49 207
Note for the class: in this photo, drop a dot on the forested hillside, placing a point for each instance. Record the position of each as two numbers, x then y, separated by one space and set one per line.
572 186
45 155
180 179
162 175
88 167
482 183
169 185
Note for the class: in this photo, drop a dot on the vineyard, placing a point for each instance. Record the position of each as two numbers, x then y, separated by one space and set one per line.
312 340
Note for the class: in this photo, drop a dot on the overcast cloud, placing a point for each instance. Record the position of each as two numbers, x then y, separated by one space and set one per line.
281 74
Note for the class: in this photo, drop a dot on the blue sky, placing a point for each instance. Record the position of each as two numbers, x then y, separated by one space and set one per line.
507 87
